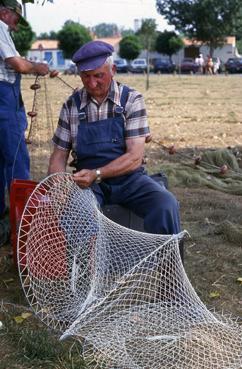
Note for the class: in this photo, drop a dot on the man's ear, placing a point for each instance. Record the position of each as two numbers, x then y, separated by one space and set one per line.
114 69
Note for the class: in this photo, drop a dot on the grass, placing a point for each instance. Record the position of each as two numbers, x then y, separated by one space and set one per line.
31 345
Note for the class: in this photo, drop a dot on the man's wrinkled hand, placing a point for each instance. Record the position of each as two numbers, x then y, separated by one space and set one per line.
84 178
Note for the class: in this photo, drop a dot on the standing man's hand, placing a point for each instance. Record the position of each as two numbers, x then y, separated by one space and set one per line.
85 177
41 69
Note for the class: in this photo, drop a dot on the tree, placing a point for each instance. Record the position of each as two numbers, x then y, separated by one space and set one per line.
71 37
126 32
37 1
52 35
147 34
106 30
129 47
209 21
238 35
23 39
168 42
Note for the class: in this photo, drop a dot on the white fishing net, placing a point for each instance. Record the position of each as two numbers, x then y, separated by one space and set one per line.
123 293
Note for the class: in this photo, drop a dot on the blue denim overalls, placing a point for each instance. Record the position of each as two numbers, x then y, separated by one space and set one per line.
100 142
14 157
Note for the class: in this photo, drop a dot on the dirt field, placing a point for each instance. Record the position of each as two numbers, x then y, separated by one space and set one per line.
194 113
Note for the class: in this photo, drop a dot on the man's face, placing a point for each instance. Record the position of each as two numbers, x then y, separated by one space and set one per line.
97 81
11 19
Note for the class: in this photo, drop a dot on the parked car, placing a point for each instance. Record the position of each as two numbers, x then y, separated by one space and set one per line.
72 69
233 65
164 66
138 66
188 65
121 65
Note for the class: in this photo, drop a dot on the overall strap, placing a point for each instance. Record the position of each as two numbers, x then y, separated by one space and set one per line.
77 100
124 96
81 113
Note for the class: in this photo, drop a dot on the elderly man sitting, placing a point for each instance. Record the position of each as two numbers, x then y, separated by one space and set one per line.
104 126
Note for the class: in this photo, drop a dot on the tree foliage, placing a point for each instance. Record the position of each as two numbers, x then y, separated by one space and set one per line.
106 30
168 42
126 32
23 39
147 33
129 47
36 1
239 46
209 21
52 35
71 37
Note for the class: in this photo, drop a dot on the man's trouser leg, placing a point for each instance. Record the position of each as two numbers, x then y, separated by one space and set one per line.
155 204
2 186
17 161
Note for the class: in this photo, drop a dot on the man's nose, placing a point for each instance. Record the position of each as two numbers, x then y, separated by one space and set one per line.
92 82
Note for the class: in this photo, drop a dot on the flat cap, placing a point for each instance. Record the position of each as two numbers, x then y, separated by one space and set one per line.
92 55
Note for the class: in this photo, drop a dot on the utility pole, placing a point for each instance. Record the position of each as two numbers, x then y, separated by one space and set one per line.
24 8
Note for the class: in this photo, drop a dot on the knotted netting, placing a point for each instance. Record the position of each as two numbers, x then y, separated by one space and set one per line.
123 293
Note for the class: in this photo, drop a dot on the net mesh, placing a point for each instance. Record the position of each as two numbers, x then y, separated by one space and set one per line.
123 293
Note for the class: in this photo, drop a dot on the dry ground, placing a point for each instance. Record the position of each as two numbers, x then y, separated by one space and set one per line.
194 113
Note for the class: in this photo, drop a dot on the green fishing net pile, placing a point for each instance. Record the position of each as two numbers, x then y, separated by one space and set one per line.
182 171
207 173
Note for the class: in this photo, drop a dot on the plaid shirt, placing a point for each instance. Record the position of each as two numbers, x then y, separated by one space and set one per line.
136 124
7 50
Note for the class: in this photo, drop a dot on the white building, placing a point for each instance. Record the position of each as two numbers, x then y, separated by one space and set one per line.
47 50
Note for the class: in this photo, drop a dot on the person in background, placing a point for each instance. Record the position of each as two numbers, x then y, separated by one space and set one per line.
216 65
14 157
209 65
200 62
104 125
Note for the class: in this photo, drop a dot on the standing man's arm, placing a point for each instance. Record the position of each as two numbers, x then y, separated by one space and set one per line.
24 66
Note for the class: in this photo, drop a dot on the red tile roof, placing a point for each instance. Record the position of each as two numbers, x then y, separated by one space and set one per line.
45 44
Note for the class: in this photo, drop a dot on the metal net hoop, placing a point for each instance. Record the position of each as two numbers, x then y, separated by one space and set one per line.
124 293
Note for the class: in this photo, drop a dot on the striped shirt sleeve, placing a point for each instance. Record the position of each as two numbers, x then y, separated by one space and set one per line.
136 116
62 135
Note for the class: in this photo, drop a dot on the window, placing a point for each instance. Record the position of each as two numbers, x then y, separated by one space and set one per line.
60 58
48 56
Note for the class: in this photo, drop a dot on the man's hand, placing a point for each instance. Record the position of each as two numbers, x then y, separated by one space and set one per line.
85 177
41 69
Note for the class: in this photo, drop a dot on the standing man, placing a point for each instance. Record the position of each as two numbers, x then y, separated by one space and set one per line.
14 157
104 125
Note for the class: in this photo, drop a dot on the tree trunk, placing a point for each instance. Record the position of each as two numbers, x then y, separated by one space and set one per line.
148 69
24 11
